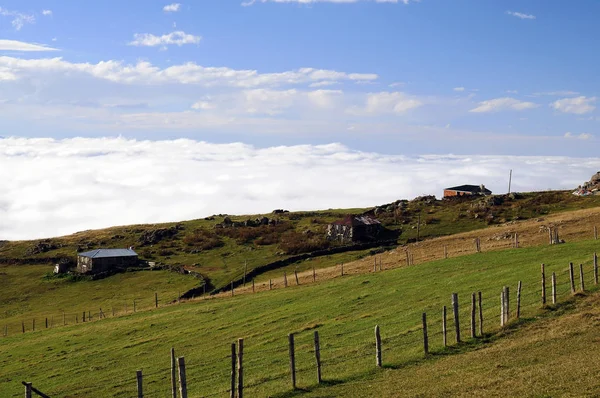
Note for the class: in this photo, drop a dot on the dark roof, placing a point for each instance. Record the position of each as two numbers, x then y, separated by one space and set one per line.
104 253
470 188
357 220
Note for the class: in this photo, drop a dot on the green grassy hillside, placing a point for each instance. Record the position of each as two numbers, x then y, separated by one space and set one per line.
220 254
99 359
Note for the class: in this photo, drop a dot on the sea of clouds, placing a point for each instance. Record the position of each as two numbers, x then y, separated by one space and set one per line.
51 187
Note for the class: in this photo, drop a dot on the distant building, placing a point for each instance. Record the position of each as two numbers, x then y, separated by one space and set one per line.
465 190
102 260
354 229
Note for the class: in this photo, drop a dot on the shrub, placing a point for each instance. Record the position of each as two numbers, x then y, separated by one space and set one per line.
296 243
203 240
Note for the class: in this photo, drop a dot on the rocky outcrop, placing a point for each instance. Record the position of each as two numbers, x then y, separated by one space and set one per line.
154 236
42 246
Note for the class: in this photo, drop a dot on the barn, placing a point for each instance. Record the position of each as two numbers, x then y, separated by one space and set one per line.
354 229
466 190
103 260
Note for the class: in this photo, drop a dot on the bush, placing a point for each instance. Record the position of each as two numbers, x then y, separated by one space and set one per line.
203 240
296 243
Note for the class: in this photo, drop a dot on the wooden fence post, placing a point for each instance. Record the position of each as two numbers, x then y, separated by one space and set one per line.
134 307
173 374
595 268
27 390
83 316
445 251
502 307
231 288
182 378
519 300
314 275
233 374
480 314
554 288
572 276
425 338
595 232
550 235
140 385
543 285
284 279
46 322
473 311
270 284
155 300
374 264
377 346
455 312
380 263
296 275
240 369
33 325
407 258
516 244
444 329
342 269
23 326
292 359
318 356
581 282
506 304
253 291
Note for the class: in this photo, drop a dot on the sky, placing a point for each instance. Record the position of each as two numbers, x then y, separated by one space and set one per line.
416 86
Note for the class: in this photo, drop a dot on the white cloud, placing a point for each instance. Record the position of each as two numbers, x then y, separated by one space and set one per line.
397 84
502 104
324 83
582 136
54 187
13 45
520 15
387 102
578 105
251 2
178 38
47 13
19 19
512 92
563 93
459 89
188 73
172 7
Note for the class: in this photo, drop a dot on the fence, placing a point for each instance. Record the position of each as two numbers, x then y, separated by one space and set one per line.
309 358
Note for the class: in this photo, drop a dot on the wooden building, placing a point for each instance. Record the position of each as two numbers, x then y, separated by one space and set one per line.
466 190
103 260
354 229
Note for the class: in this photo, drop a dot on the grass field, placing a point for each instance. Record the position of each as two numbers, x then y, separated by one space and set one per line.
99 359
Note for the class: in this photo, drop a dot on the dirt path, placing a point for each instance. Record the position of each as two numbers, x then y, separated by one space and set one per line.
572 226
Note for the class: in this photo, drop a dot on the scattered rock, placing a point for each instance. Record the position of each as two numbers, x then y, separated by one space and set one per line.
156 235
42 246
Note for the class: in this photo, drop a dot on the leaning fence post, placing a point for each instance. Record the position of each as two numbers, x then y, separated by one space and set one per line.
27 390
456 320
377 346
233 361
425 338
140 388
182 378
444 329
519 300
318 356
480 314
572 276
595 268
296 275
240 369
284 279
473 311
554 288
581 283
173 374
543 284
292 359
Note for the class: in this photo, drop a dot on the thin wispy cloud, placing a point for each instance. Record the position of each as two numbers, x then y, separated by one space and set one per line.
520 15
55 187
18 19
459 89
251 2
14 45
503 104
174 7
178 38
47 13
582 136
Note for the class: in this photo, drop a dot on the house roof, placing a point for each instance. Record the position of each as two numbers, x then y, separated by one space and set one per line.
470 188
357 220
105 253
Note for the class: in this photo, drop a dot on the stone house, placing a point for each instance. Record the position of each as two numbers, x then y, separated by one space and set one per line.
103 260
466 190
354 229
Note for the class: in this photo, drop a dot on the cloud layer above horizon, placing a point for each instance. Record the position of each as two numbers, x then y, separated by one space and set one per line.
54 187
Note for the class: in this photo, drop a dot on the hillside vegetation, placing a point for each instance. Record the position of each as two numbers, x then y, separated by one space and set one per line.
220 254
99 359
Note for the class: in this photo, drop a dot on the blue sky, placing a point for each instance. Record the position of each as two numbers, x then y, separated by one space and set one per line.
405 77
